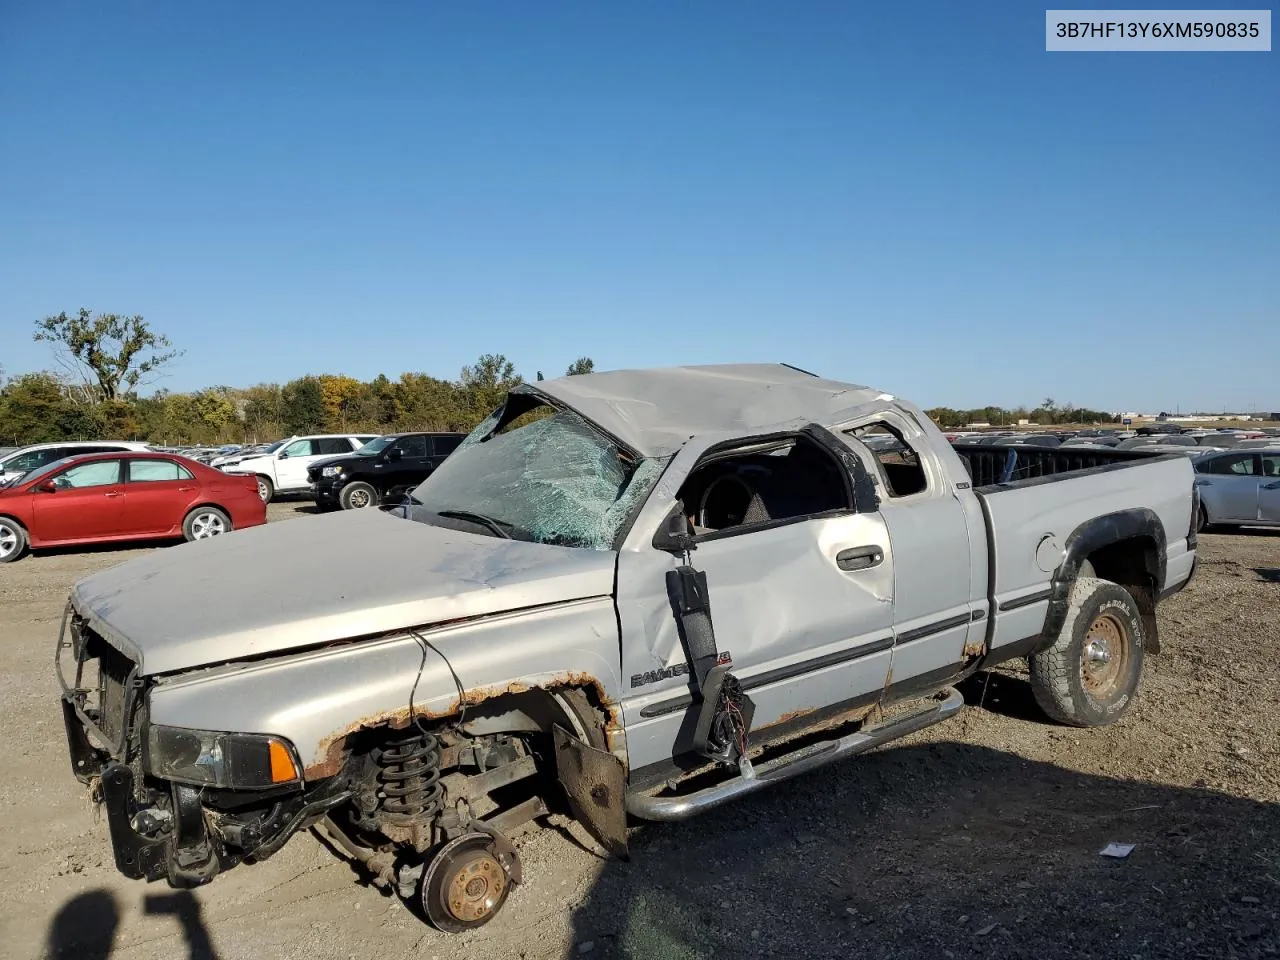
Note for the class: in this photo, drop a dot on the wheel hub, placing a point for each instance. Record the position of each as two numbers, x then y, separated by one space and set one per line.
465 885
475 888
358 498
8 540
206 525
1104 654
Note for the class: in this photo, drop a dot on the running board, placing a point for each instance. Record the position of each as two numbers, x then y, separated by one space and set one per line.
648 807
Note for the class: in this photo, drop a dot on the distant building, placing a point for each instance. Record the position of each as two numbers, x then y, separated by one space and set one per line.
1274 416
978 425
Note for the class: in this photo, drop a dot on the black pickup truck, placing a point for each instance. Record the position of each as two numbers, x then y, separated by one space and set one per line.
384 468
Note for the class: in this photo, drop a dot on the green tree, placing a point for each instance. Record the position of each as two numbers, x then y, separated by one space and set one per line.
302 406
215 412
34 408
113 354
580 366
483 386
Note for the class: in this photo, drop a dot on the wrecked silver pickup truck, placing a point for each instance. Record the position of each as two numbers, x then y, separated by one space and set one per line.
635 593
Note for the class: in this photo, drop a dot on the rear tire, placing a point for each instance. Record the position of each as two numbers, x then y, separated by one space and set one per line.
358 496
1089 677
266 489
205 522
1202 521
13 540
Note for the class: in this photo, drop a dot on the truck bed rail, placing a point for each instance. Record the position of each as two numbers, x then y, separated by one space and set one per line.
993 465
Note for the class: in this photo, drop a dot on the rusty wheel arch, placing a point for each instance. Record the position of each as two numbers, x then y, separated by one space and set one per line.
576 699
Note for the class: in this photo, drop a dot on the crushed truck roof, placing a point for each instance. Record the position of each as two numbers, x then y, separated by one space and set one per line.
655 411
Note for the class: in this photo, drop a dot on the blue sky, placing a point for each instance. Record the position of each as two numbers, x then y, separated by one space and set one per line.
915 196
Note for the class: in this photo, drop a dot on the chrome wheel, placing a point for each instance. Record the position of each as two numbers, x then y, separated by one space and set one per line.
205 525
1106 651
359 498
264 490
8 540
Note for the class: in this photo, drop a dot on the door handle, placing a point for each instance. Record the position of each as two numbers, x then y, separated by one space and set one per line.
859 558
113 494
185 489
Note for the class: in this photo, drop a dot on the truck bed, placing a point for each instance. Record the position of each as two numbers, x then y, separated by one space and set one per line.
1035 499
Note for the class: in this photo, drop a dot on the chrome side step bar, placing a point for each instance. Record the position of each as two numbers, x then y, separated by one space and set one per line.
648 807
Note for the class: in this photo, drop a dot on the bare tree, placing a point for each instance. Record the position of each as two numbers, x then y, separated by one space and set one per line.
109 353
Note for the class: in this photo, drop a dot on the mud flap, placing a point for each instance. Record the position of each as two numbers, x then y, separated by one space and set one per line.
595 782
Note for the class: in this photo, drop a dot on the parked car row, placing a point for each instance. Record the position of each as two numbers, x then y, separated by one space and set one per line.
1237 475
59 494
105 497
18 463
1158 435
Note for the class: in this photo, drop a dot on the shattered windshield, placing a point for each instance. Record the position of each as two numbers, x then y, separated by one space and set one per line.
545 475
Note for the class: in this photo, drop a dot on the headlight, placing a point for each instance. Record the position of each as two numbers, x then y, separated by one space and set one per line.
244 761
330 471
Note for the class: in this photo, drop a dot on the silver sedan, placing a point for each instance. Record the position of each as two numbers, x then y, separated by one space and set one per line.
1239 487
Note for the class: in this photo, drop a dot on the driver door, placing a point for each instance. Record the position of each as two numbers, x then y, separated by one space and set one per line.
292 463
803 604
87 505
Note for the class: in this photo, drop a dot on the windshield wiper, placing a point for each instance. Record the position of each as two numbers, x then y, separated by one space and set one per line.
475 518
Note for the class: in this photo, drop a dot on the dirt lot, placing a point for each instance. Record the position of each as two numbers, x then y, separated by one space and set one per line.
978 838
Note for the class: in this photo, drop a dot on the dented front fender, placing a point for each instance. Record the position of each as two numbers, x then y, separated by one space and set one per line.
318 699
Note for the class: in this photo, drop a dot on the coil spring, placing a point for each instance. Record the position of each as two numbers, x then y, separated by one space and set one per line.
409 774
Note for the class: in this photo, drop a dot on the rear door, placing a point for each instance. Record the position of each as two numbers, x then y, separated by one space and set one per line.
442 446
87 505
1229 487
158 493
938 547
1269 492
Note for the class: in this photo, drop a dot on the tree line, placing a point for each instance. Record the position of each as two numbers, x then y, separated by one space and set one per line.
104 361
1048 413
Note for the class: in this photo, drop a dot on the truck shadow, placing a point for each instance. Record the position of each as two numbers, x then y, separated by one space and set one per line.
85 927
947 850
1268 574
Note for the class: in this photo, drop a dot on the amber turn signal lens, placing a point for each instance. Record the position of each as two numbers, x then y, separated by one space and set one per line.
282 766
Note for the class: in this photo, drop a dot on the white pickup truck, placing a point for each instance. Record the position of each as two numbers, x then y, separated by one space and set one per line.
635 593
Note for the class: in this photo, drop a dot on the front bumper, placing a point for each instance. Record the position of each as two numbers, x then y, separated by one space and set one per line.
326 489
159 829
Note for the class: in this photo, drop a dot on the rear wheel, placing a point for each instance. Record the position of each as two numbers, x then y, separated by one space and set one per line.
1202 521
205 522
13 540
1089 677
358 495
266 489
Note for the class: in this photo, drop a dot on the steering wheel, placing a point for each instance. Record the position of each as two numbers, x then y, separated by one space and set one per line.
733 496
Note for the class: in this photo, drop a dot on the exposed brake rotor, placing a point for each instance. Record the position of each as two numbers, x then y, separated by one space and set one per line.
466 883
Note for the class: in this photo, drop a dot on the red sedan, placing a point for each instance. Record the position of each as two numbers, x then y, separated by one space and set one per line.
107 497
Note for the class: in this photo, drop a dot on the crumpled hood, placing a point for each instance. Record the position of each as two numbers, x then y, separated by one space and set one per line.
299 583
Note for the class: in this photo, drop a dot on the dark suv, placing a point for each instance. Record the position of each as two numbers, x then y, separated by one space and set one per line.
385 468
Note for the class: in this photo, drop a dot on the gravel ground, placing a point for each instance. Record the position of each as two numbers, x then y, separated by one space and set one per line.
976 838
